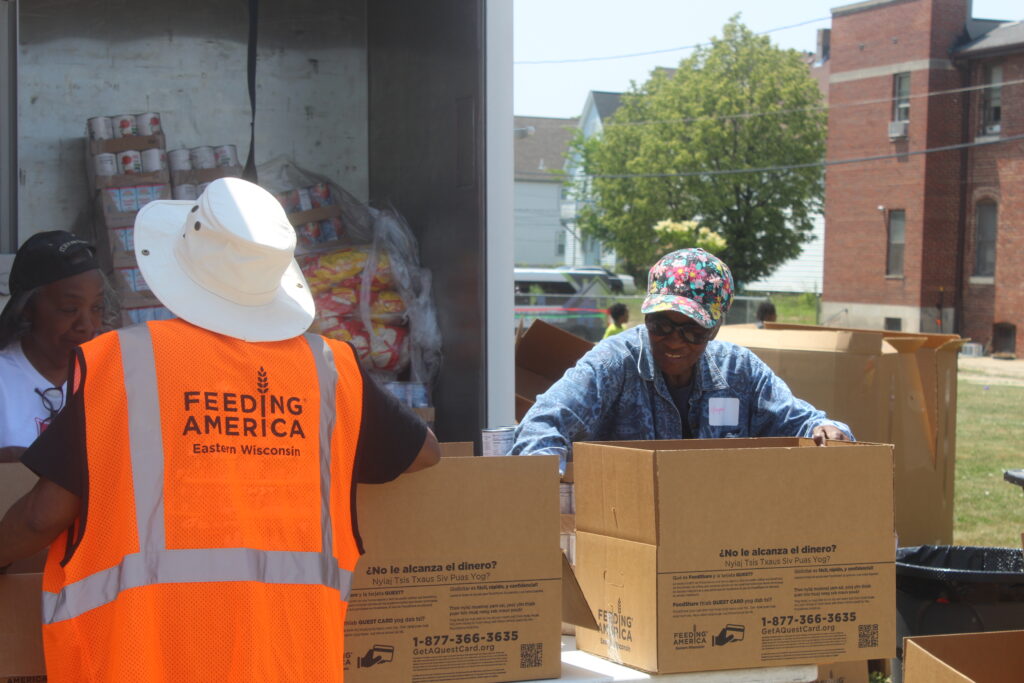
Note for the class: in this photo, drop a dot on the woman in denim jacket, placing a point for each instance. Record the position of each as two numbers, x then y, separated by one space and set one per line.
668 379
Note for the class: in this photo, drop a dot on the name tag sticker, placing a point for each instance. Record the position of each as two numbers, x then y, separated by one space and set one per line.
724 412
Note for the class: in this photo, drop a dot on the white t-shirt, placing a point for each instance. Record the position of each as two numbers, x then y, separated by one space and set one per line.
23 416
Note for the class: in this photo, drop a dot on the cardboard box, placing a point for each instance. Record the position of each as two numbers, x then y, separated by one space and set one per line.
993 657
197 176
890 387
21 638
462 575
543 354
703 555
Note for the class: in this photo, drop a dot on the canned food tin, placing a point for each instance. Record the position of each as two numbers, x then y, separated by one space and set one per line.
105 164
289 200
330 229
308 234
148 123
225 155
566 498
129 161
305 199
153 160
115 197
132 278
124 125
124 239
497 441
100 128
185 191
179 160
144 193
320 195
202 157
129 199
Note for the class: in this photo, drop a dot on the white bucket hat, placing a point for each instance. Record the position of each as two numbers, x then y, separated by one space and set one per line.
225 262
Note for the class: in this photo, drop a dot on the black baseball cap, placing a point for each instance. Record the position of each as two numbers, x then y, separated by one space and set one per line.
47 257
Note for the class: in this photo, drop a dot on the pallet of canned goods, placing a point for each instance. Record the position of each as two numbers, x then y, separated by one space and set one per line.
315 214
126 149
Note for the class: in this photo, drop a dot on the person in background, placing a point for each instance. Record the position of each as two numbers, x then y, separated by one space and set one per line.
198 490
618 314
668 378
56 303
765 313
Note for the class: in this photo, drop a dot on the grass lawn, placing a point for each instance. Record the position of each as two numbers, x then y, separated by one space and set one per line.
989 439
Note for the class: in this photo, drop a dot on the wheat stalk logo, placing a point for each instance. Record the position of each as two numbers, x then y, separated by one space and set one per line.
262 383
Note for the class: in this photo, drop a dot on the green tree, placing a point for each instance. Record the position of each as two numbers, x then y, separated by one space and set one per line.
670 149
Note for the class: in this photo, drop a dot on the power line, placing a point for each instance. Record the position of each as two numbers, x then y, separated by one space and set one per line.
793 167
578 60
828 107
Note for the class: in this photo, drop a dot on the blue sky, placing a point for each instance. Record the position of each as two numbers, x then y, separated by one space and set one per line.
575 29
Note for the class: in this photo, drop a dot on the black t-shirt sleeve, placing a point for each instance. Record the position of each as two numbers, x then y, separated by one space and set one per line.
390 435
58 454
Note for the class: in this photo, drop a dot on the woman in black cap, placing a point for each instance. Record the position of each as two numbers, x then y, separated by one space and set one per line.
57 303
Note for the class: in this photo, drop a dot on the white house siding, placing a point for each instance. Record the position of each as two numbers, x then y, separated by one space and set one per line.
537 223
801 274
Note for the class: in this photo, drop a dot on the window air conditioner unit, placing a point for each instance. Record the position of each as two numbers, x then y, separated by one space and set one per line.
898 129
992 129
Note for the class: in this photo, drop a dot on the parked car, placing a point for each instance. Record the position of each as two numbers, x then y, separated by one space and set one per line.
574 299
617 283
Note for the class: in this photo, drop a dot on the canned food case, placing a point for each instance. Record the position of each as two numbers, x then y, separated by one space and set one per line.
198 176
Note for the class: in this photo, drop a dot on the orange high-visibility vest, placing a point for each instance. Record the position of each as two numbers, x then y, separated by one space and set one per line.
218 540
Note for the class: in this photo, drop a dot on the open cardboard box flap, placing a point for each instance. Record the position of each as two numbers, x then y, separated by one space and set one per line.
543 354
992 657
575 609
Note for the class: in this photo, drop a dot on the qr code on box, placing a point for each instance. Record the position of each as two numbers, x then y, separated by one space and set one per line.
531 655
867 635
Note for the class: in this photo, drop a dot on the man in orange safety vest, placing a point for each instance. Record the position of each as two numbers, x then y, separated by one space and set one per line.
197 490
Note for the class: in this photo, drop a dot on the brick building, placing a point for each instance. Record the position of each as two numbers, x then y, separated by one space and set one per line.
928 237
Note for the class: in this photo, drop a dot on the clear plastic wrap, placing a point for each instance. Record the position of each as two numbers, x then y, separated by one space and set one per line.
362 265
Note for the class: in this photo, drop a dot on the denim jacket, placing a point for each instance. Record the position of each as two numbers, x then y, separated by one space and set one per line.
616 393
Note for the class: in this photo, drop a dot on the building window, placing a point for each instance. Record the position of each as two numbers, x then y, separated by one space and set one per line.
985 239
901 97
894 324
894 251
992 99
560 244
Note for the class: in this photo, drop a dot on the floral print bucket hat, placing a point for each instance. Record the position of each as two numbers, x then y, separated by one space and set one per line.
691 282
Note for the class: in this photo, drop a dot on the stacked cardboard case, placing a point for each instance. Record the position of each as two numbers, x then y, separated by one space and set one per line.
890 387
118 198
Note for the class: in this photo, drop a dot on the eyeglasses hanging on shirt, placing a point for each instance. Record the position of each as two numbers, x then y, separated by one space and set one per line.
53 401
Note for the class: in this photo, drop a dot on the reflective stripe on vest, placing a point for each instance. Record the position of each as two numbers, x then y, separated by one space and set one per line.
154 563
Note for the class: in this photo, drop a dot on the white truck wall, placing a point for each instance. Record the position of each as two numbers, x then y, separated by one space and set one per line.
187 61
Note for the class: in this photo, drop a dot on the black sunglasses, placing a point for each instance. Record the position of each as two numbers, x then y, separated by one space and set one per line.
661 326
53 400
